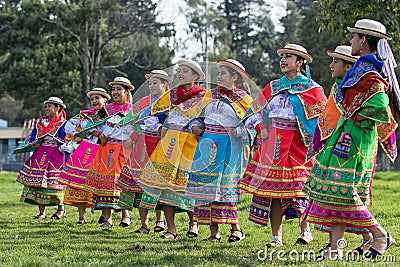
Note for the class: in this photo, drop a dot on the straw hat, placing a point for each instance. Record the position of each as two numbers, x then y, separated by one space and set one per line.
343 52
122 81
98 91
158 74
55 100
295 50
370 27
194 66
236 65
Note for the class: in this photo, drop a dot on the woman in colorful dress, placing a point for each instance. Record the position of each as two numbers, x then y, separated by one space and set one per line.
41 171
219 160
110 159
139 148
339 183
285 117
77 166
165 175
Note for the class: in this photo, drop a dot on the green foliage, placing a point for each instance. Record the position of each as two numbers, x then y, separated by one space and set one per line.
64 48
339 14
25 242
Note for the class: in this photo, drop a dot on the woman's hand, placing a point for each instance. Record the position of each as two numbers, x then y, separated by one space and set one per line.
78 139
103 139
197 130
263 135
128 144
36 145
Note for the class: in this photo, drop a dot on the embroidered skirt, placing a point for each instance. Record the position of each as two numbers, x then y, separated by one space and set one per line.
260 208
339 184
43 168
42 196
128 181
103 175
165 176
278 168
217 167
216 213
75 172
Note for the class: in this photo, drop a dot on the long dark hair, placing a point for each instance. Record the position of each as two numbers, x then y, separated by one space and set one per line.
239 82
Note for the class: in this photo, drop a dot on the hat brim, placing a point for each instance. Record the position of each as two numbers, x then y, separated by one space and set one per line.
157 75
54 102
306 56
202 76
244 74
103 94
131 87
341 56
369 32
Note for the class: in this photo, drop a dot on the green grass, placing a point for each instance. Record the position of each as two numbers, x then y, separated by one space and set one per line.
25 242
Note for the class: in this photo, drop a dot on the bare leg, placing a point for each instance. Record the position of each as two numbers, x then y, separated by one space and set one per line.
107 217
144 217
193 228
214 233
125 217
337 243
276 217
60 211
81 211
170 218
42 209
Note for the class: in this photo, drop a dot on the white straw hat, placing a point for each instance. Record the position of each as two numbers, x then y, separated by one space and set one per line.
370 27
194 66
55 100
122 81
158 74
343 52
236 65
98 91
295 49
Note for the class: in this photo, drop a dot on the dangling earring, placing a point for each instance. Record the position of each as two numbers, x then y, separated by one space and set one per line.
297 70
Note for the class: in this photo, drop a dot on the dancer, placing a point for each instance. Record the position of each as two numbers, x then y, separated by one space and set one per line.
285 118
141 145
339 183
77 166
165 175
219 160
109 159
41 171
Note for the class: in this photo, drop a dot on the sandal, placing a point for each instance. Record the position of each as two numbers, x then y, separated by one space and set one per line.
174 236
140 230
234 238
157 228
40 217
106 224
213 238
56 217
125 224
101 219
81 222
191 234
365 246
303 237
275 243
373 253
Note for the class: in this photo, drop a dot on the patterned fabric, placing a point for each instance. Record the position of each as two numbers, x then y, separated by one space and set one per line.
42 196
43 168
77 166
216 213
103 174
340 187
278 168
74 196
168 168
260 208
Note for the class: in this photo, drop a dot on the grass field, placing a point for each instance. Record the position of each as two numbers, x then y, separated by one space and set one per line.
25 242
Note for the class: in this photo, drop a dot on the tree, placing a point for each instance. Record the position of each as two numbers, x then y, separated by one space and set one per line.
64 47
338 15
